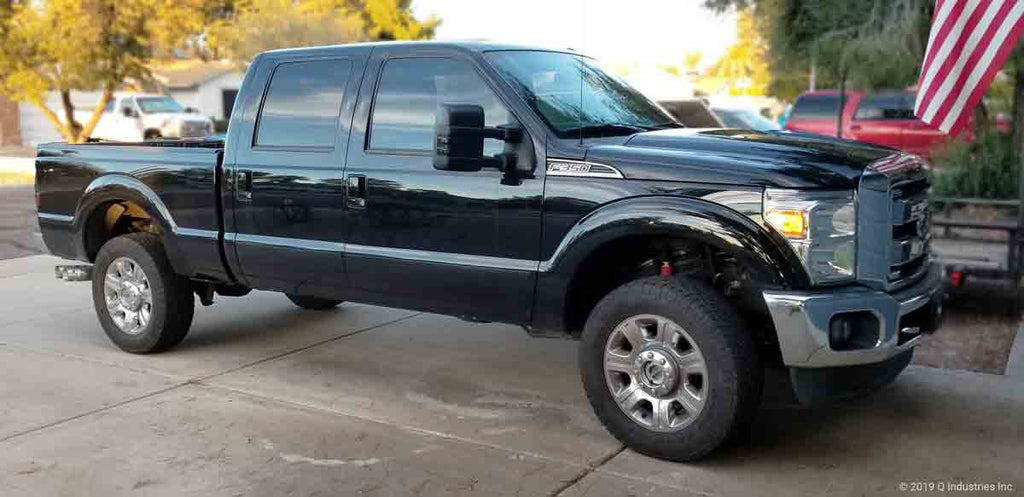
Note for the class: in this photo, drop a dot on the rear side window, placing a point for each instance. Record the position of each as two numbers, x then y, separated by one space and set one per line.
816 107
410 93
886 106
302 104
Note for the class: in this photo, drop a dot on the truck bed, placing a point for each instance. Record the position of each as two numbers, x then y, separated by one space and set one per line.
179 179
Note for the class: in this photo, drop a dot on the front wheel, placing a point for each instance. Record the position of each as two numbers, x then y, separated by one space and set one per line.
141 303
669 369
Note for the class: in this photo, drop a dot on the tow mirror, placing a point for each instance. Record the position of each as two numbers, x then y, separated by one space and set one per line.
128 112
459 140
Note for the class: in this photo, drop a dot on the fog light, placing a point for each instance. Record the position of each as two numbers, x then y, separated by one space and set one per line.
839 332
854 331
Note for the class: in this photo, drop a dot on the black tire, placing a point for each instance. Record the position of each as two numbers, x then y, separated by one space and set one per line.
734 372
313 303
173 303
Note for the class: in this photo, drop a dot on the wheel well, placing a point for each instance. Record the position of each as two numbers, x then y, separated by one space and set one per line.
625 259
113 219
150 134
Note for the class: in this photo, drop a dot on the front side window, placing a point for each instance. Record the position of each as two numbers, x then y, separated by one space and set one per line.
885 106
575 97
303 104
157 105
412 90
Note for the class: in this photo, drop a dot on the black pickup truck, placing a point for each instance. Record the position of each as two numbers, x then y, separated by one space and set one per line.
523 186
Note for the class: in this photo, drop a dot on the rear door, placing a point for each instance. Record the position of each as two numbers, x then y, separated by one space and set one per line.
286 172
458 242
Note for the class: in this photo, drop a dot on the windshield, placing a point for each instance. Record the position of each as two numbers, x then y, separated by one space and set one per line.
577 98
156 105
745 119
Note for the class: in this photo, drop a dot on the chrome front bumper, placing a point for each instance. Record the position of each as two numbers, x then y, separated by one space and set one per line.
802 320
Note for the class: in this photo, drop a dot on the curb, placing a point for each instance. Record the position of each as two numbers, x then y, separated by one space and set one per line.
1015 363
17 170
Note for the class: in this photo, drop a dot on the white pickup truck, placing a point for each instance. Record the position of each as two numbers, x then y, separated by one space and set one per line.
138 116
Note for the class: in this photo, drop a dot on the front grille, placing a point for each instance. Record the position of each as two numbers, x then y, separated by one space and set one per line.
911 226
893 222
189 129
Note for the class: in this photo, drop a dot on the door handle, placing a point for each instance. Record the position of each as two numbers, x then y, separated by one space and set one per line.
355 191
244 186
855 127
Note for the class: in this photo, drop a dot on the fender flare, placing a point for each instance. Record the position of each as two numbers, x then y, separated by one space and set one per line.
707 222
119 187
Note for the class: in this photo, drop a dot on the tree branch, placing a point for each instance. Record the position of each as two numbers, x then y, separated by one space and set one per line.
73 128
52 117
97 112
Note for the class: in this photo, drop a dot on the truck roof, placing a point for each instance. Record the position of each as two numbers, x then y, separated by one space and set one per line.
468 46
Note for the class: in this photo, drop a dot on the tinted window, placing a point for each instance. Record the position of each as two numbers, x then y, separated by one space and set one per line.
886 106
816 107
302 104
410 93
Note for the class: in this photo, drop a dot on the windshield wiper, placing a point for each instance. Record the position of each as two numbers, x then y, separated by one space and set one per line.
605 129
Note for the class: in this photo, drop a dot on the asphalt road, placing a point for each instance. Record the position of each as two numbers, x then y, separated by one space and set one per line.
263 399
19 231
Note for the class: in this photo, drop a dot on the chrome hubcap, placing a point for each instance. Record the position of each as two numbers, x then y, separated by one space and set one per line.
655 372
128 295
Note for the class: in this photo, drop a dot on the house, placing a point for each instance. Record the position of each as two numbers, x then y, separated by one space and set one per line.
207 86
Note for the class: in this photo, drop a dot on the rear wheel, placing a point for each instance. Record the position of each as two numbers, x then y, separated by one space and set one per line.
313 303
669 369
142 305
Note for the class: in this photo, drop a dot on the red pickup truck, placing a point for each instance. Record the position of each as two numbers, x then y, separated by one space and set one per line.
884 118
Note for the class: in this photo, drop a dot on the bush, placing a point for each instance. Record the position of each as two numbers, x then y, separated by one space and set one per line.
983 169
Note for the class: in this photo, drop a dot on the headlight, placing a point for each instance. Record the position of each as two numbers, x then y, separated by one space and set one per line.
820 226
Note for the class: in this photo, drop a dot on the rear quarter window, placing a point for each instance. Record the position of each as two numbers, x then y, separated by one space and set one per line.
302 104
815 107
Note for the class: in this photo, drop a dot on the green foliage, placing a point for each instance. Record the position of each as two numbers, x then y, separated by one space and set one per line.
983 169
260 25
876 43
254 26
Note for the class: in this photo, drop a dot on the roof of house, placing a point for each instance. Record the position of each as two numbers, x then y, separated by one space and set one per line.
190 73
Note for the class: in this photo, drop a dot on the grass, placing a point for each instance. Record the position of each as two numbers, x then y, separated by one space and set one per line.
10 178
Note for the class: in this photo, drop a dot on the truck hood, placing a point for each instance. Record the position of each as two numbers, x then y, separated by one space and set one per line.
740 157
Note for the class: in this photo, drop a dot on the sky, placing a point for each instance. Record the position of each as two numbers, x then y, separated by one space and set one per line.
617 32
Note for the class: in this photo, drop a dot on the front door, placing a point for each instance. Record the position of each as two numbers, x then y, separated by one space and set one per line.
456 242
880 119
286 175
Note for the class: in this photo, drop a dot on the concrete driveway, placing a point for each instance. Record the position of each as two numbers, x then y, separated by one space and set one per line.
265 399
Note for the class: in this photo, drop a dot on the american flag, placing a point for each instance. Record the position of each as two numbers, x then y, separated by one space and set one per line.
968 44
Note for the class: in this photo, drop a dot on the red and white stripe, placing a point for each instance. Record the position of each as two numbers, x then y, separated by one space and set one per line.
968 44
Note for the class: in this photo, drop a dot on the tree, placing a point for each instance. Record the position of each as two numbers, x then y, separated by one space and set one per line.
873 43
85 45
744 65
258 25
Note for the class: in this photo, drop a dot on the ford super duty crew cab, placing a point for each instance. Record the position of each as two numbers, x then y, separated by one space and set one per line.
499 183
